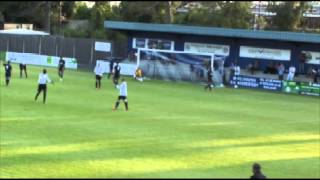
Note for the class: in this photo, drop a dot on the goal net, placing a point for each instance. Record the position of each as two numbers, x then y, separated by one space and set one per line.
177 65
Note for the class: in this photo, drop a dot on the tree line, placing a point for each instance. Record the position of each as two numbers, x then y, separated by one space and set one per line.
50 15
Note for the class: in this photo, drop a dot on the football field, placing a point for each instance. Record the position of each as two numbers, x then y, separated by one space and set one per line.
172 130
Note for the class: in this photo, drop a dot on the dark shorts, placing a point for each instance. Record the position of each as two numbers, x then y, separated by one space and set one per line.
8 76
61 68
23 66
98 77
122 97
42 87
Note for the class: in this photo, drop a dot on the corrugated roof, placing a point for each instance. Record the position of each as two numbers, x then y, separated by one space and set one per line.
212 31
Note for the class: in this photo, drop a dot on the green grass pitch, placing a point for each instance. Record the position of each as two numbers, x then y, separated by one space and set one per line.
172 130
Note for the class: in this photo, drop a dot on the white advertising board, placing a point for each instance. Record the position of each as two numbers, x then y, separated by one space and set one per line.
41 60
217 49
102 46
265 53
312 57
126 69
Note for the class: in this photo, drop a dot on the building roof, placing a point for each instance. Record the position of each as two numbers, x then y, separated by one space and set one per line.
212 31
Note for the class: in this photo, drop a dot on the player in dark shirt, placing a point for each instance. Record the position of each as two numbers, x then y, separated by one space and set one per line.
257 174
61 67
116 74
8 69
110 68
210 82
23 67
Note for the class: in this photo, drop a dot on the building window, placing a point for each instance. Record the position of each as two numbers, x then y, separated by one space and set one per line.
152 44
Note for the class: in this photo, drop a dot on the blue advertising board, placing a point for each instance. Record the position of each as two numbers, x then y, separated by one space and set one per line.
256 82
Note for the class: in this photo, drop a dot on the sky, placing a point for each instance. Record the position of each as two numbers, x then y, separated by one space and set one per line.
91 3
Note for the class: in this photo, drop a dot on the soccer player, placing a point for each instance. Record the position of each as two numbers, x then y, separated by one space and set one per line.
291 73
99 73
42 84
110 68
61 67
122 94
210 82
23 67
139 75
116 75
8 69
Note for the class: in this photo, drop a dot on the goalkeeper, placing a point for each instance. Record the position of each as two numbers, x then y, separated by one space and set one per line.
43 79
139 75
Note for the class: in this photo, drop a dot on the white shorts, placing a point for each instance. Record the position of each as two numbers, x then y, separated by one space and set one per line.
290 76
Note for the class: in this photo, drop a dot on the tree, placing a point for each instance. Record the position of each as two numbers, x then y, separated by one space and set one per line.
289 15
99 13
218 14
81 11
145 11
235 15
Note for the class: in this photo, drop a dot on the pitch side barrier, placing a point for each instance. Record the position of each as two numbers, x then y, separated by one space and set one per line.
292 87
38 60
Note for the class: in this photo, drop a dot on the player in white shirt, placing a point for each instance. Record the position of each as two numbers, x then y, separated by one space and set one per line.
43 80
123 93
291 73
99 73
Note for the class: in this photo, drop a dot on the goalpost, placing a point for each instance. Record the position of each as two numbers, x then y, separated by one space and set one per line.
176 65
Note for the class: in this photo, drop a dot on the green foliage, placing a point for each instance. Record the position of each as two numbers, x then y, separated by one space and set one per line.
228 15
98 33
76 33
99 13
81 11
289 15
235 15
144 11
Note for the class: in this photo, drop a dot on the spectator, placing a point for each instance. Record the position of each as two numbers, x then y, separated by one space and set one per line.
237 70
292 71
256 66
257 174
250 68
231 69
315 74
302 61
271 68
236 74
281 70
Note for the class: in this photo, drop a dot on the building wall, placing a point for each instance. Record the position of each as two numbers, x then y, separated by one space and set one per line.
234 43
8 26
